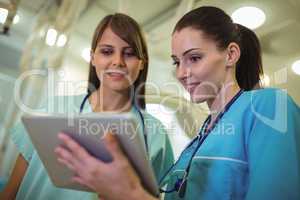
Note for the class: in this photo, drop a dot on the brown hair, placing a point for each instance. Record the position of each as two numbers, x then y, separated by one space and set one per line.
129 31
217 25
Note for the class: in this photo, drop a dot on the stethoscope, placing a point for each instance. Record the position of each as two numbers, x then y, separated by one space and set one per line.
181 183
138 110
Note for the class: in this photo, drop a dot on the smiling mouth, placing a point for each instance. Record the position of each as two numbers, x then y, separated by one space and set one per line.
116 74
191 87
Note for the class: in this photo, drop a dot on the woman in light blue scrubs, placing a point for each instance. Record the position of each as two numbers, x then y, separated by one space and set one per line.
249 146
118 71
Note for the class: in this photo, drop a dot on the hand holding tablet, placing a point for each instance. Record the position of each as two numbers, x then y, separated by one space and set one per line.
88 131
104 178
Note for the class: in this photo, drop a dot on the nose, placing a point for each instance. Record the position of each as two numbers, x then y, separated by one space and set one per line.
118 60
183 73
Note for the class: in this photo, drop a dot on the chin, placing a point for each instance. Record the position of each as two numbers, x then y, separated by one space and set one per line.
119 87
198 99
202 95
199 96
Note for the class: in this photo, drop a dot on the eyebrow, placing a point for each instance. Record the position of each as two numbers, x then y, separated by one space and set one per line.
108 45
184 53
104 45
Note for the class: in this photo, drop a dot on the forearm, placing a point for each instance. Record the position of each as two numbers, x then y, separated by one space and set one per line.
8 194
16 178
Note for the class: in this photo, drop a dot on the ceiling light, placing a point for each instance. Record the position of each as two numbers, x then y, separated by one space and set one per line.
265 79
62 40
86 54
16 19
3 15
250 17
296 67
51 37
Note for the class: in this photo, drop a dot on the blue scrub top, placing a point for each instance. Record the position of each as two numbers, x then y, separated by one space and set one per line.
36 183
252 153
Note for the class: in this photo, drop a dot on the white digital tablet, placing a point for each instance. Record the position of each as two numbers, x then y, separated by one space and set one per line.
88 130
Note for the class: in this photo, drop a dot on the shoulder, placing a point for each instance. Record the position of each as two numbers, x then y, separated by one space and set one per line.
265 94
270 99
272 109
270 106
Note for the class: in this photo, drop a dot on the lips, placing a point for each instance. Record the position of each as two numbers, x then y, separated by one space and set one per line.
191 87
116 74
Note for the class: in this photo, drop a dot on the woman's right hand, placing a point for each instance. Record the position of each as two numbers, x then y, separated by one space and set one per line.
112 181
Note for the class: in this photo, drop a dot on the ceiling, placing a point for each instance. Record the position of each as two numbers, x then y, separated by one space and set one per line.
279 37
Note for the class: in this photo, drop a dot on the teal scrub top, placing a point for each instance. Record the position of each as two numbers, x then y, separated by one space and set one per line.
252 153
36 183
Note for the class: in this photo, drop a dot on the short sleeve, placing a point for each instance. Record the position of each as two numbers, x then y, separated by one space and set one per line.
19 136
274 148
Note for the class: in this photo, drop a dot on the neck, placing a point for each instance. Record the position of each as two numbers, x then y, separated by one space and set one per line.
225 94
107 100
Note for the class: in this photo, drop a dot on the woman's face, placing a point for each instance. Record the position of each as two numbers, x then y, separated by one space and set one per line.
200 65
117 65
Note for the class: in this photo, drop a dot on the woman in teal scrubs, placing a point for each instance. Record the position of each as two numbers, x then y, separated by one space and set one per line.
118 69
249 146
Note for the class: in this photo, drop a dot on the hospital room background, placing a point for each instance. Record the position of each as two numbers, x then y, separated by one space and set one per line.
44 52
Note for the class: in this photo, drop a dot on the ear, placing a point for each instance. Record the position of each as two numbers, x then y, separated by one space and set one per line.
142 65
233 54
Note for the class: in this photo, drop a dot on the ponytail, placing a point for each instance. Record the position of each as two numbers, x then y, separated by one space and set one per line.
249 67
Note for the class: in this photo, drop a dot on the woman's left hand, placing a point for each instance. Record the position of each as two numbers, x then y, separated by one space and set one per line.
114 180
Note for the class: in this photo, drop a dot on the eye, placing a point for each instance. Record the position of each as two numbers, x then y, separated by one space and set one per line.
106 52
195 58
129 53
175 63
